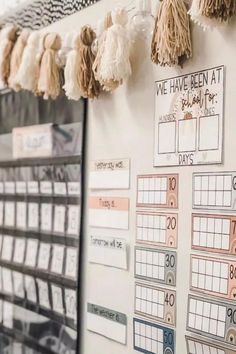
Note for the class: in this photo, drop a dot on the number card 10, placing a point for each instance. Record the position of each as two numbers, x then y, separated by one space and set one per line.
158 191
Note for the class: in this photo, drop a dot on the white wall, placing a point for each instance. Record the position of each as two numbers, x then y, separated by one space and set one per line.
120 125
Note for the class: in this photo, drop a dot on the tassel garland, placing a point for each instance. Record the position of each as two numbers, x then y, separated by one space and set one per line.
171 42
89 86
16 58
49 75
7 40
72 70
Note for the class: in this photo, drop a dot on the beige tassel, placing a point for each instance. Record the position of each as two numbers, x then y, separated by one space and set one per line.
221 10
89 86
7 40
16 58
171 43
107 85
49 76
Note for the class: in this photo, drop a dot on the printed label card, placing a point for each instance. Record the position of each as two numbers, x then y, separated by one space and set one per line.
21 215
44 256
7 248
43 291
152 338
109 212
31 253
46 217
214 277
19 250
73 220
71 303
1 212
212 318
157 191
108 251
74 189
156 265
7 281
157 229
215 190
9 215
18 284
30 288
21 187
8 314
59 188
59 219
190 112
9 187
57 259
57 299
108 323
156 303
33 216
46 187
71 262
110 174
33 187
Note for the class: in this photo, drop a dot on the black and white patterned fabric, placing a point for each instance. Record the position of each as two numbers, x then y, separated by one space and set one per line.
42 13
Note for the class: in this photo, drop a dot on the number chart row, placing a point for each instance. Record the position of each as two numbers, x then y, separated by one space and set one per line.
45 257
56 300
45 217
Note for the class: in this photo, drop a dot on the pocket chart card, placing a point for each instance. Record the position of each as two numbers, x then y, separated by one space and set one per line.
110 174
190 111
197 346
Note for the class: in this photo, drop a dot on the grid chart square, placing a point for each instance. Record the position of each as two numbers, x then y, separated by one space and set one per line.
152 338
214 233
157 191
213 190
156 303
155 265
195 346
208 318
157 229
212 276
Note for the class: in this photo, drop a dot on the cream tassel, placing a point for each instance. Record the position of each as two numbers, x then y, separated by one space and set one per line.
72 70
28 72
7 40
115 61
49 75
16 58
107 85
171 43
